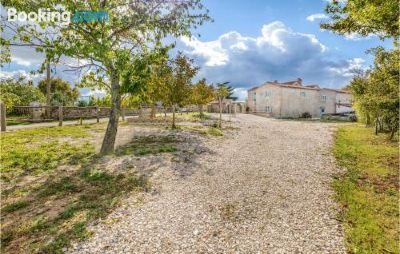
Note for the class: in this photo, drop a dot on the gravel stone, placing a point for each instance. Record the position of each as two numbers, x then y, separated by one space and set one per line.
265 188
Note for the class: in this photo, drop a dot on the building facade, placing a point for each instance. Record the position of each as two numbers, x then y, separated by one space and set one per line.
292 99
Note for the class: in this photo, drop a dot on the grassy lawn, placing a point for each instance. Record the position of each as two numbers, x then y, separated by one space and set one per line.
15 120
369 190
53 185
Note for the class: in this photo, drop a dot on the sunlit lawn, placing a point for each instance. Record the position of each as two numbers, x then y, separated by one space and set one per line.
53 186
369 191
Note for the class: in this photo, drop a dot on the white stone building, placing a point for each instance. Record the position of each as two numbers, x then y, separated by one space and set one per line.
292 99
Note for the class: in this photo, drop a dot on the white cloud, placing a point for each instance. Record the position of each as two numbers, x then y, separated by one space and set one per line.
26 56
339 1
85 92
349 69
358 37
240 93
277 53
21 73
21 61
210 50
316 16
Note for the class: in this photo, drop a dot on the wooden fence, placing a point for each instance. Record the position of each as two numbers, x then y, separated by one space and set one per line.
61 113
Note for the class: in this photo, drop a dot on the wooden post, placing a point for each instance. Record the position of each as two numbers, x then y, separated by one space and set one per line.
97 114
123 113
60 115
80 116
3 116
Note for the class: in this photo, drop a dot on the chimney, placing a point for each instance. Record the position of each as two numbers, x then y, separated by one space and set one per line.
300 81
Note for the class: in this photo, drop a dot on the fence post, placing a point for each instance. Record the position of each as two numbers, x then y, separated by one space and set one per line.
123 113
97 114
60 115
80 116
3 116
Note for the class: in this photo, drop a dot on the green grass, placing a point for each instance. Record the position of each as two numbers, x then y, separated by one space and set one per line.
214 131
369 191
14 206
198 116
55 205
33 151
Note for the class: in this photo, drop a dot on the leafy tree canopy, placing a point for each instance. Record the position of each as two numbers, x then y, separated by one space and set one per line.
202 93
364 17
61 92
19 93
376 92
229 89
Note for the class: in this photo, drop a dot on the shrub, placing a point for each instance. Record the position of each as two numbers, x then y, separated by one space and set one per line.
305 115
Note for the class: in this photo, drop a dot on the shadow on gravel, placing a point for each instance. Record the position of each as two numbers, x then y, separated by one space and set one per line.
183 146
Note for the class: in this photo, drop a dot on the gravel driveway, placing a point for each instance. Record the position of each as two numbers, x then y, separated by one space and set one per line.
263 190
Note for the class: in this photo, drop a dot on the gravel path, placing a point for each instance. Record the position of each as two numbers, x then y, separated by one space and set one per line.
263 190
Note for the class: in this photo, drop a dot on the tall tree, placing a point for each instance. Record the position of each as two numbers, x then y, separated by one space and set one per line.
202 94
221 92
178 75
110 46
61 92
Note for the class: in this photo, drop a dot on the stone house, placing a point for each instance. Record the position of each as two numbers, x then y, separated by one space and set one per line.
292 99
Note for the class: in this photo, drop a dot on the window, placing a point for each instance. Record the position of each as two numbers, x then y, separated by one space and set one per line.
267 94
303 94
268 109
323 97
254 96
322 110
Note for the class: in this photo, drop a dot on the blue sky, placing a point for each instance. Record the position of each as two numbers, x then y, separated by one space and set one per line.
254 41
247 17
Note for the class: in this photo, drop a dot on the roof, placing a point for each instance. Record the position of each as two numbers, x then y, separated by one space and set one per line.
297 85
335 90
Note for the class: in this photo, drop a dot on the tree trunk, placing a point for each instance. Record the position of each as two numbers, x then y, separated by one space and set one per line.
140 111
48 90
112 127
153 111
220 113
173 117
60 115
367 120
3 116
376 127
392 132
201 111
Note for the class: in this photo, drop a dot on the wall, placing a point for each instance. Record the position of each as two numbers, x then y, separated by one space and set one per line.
330 103
281 101
295 102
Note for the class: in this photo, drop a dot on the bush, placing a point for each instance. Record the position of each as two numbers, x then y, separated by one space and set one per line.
305 115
